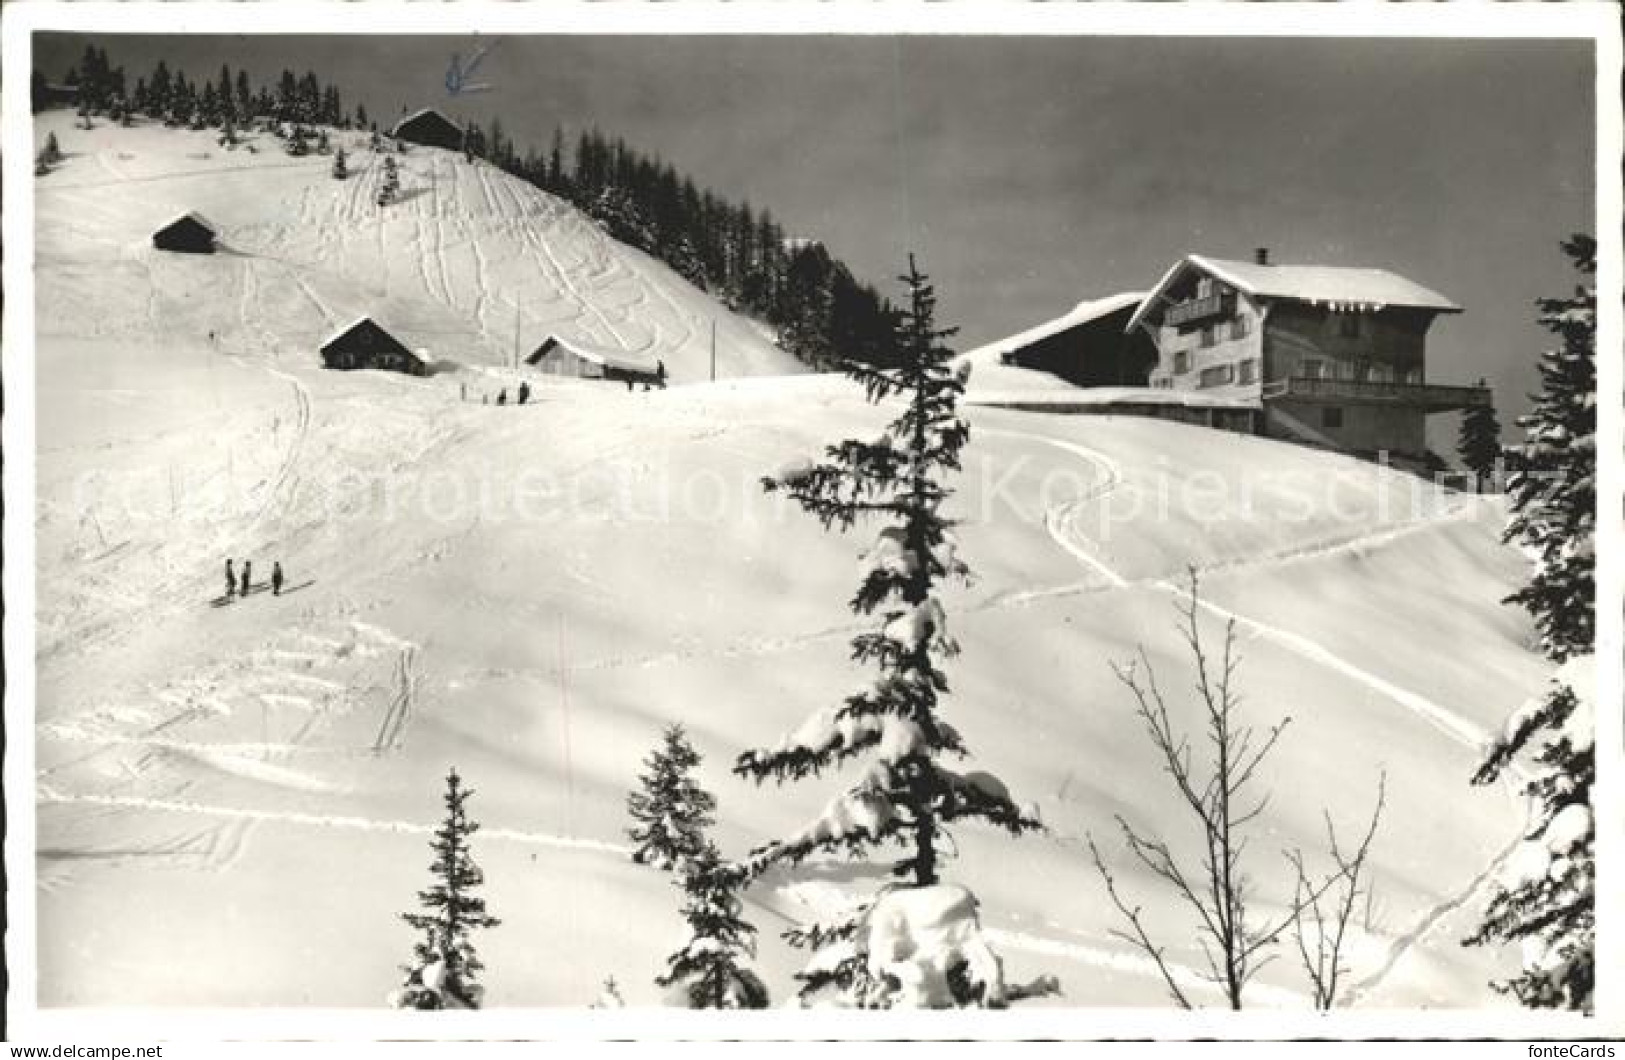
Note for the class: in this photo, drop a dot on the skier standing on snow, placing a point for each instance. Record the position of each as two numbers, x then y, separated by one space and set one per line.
660 373
231 581
524 393
276 579
502 396
246 566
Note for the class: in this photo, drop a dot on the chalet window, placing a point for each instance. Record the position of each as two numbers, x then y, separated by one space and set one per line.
1182 362
1249 370
1204 286
1331 418
1311 368
1208 336
1218 375
1238 328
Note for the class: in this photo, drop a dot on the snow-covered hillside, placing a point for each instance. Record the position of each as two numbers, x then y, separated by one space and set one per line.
469 261
235 801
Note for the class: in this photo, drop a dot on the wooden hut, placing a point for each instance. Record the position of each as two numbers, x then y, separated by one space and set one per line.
430 128
559 356
187 234
366 345
1087 347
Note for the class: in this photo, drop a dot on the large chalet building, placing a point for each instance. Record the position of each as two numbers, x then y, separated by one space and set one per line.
1330 356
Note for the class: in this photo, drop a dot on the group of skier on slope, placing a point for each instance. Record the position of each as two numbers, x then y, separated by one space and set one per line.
234 587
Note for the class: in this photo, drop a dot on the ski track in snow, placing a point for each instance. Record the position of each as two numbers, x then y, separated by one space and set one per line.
50 796
1061 523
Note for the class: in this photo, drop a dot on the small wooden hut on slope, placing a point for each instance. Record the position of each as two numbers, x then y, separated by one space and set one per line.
187 234
430 128
364 344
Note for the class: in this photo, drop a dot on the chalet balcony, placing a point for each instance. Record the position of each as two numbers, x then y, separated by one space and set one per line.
1197 310
1427 396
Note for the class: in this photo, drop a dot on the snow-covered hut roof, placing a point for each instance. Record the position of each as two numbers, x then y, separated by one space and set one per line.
601 356
196 218
426 112
366 321
1316 284
1083 313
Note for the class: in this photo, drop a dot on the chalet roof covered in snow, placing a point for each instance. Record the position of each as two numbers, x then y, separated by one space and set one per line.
1316 284
601 356
1083 313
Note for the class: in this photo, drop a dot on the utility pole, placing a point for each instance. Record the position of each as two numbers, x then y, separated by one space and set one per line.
713 349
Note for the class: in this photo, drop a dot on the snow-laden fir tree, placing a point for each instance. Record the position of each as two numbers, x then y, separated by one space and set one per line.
906 796
392 182
713 966
340 169
1480 444
670 812
1553 486
1546 897
444 966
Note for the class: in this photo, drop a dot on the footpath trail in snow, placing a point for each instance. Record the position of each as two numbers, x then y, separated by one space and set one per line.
50 796
1061 523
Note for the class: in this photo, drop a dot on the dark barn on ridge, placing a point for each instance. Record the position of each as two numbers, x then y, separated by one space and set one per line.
430 128
186 234
366 345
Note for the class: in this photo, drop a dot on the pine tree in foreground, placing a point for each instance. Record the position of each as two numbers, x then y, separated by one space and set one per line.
444 965
1480 444
672 811
1553 488
1546 897
713 965
906 795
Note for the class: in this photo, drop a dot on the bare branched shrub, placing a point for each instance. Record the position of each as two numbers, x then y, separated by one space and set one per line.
1325 912
1219 790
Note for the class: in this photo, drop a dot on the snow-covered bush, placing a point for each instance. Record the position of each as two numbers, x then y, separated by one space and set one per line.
923 948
